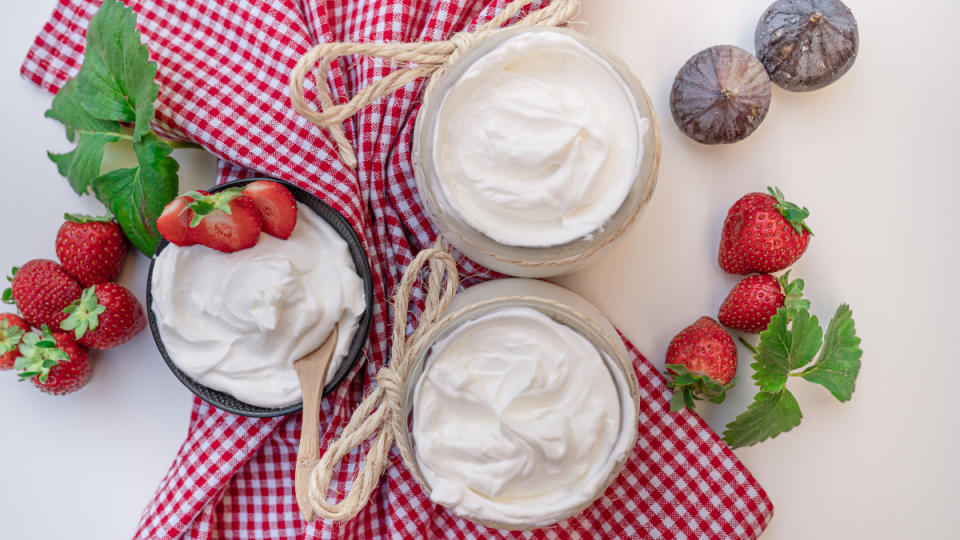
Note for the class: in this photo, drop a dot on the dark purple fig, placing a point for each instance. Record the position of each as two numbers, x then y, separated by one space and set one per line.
807 44
720 95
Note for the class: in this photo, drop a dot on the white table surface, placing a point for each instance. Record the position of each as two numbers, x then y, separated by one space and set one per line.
874 156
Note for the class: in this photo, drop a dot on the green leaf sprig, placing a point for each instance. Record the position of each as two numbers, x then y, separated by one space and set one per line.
112 99
786 349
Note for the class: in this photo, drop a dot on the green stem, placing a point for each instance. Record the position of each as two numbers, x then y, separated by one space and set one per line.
804 372
747 344
182 144
126 134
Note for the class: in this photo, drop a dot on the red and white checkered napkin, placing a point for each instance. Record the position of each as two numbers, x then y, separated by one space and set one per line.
224 67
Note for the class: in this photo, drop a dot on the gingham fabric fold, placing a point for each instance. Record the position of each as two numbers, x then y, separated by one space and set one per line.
223 71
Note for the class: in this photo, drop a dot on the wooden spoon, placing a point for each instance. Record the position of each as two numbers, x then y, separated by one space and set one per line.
312 370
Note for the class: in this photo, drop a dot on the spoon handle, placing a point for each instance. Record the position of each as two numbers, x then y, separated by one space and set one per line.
312 370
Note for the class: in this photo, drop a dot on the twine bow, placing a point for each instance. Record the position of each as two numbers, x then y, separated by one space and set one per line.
380 413
424 59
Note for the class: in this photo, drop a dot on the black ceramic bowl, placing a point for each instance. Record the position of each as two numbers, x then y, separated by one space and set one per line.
222 400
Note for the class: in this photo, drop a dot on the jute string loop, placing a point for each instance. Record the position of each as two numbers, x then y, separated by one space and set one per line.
424 59
380 413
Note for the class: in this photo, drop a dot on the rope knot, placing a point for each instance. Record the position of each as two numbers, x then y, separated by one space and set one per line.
461 42
393 387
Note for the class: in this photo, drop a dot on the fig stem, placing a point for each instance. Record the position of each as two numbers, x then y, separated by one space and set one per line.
816 17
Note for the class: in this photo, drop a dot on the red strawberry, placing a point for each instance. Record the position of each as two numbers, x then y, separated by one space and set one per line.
763 233
752 302
12 330
702 358
276 205
55 363
226 221
105 316
91 249
174 223
42 289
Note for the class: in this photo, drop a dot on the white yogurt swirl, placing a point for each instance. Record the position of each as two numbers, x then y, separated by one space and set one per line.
539 142
517 419
235 322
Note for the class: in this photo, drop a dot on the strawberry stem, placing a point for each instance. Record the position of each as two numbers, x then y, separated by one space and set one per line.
204 205
10 336
39 354
84 313
790 211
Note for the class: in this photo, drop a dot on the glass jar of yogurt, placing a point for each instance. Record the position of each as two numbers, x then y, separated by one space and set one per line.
522 405
536 150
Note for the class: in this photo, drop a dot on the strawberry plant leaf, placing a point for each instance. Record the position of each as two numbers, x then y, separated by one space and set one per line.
769 415
81 165
838 365
116 85
137 196
82 218
782 350
116 80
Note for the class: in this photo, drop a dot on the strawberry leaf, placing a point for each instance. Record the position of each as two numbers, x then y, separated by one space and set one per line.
81 165
791 212
84 314
781 350
688 387
838 365
769 415
38 357
138 195
10 336
116 80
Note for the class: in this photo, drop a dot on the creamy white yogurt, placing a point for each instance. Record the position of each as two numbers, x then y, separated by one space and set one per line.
235 322
539 142
517 419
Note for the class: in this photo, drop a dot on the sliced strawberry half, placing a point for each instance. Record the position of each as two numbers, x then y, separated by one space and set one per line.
226 221
276 205
174 223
